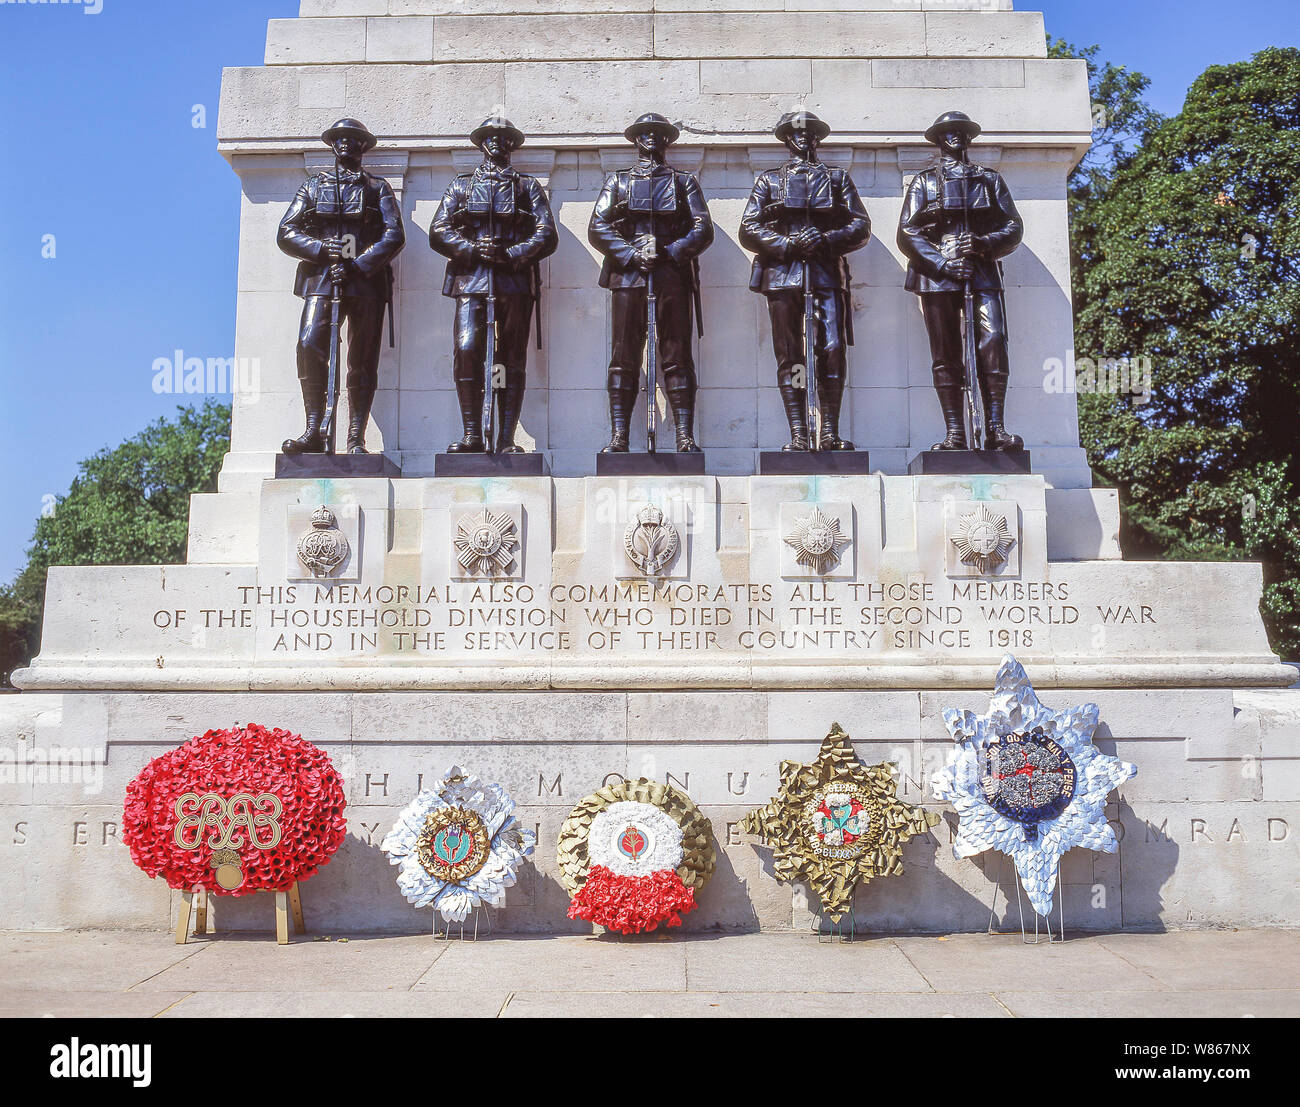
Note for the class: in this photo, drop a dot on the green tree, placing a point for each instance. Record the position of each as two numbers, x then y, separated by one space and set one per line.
1185 242
127 506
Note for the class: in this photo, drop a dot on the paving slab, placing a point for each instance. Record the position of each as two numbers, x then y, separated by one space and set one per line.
85 961
668 1005
1190 959
143 974
421 1003
981 963
556 964
1153 1005
26 1003
800 963
237 964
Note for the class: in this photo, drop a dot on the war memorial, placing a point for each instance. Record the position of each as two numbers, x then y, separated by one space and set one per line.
645 387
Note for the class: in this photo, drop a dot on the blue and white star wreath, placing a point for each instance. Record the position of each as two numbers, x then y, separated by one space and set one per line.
1027 781
459 846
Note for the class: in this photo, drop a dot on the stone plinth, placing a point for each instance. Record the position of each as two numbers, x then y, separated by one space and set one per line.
905 602
1207 828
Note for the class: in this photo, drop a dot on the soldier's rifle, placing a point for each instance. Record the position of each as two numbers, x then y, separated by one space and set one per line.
490 359
652 339
330 421
809 334
970 348
465 222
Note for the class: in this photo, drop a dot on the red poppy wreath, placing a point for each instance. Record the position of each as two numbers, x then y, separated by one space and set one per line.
633 856
236 811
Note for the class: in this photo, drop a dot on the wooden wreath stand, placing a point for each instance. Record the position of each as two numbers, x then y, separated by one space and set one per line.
196 901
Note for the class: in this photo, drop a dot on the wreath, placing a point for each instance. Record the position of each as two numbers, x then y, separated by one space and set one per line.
634 855
236 811
458 846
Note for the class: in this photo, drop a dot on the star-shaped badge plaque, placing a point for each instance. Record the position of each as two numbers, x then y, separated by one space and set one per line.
1027 781
486 542
817 541
983 540
836 823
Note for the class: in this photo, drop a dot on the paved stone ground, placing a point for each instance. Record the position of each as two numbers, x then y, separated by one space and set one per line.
1189 973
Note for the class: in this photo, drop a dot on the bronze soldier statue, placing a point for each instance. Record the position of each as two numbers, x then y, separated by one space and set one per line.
651 222
495 225
801 220
345 228
958 219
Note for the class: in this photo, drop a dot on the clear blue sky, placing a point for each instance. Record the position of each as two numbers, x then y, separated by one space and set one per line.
100 151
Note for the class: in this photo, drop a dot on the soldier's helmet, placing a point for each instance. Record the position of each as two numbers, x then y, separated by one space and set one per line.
952 121
652 121
800 119
350 127
496 124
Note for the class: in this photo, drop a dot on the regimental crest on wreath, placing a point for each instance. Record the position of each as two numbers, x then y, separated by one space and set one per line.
842 821
454 844
651 541
983 540
1027 781
837 823
323 548
486 542
818 541
633 855
458 846
226 826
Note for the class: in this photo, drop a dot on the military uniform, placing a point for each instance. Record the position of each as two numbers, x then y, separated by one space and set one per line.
510 207
783 202
651 208
351 203
941 203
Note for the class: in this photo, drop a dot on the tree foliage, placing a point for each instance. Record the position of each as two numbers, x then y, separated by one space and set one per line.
127 506
1185 240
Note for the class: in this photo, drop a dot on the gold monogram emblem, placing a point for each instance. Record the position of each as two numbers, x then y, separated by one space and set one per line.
226 824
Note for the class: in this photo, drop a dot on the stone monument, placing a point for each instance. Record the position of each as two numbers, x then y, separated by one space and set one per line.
557 632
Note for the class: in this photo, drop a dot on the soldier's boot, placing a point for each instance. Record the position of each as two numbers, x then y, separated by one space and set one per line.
832 397
359 402
996 435
471 416
512 405
683 403
796 414
311 441
623 399
951 399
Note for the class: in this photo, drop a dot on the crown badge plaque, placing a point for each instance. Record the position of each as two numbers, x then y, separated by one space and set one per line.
323 548
651 541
